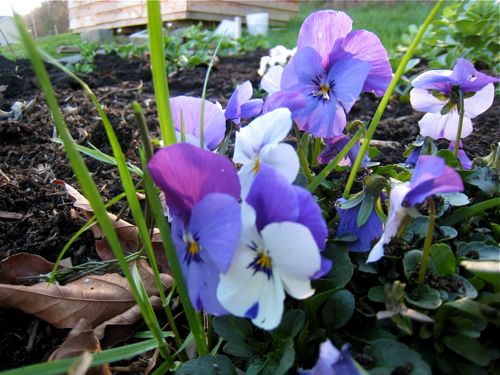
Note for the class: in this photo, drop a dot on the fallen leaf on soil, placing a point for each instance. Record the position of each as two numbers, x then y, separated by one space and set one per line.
128 234
81 339
96 298
23 265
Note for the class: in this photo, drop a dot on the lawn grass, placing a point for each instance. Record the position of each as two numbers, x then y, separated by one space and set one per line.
389 22
48 44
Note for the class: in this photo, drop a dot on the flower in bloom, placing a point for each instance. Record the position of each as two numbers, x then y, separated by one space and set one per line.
332 361
437 93
462 156
283 233
186 112
278 56
430 176
335 145
258 144
202 191
369 231
331 67
240 105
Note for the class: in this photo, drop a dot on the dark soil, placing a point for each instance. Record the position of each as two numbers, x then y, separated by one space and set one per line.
30 161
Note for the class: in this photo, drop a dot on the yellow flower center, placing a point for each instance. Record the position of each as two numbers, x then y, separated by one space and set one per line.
256 166
193 248
324 91
264 261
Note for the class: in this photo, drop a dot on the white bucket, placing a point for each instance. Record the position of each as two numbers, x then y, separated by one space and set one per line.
258 23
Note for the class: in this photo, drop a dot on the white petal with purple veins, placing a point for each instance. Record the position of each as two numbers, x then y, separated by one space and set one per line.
422 100
480 101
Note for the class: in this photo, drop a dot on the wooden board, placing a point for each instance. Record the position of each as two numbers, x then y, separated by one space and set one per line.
85 15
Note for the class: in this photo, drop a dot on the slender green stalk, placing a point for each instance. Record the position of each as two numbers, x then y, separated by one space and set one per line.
159 69
204 94
333 163
159 217
461 111
86 182
427 242
302 157
385 99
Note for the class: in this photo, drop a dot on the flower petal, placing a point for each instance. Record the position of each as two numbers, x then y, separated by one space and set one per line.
251 108
302 69
450 129
439 79
247 176
366 46
349 76
320 118
480 101
186 174
468 78
271 82
311 217
283 158
215 221
241 94
324 30
293 100
273 198
438 126
422 100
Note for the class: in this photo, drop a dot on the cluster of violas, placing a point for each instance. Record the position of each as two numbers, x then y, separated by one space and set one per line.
245 237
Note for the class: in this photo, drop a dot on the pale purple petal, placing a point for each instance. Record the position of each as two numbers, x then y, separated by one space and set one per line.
186 174
273 198
438 126
310 216
189 108
349 77
479 102
332 361
293 100
304 66
241 95
468 78
366 46
215 224
366 234
251 108
321 118
450 128
411 160
335 145
422 100
324 30
432 176
462 156
434 80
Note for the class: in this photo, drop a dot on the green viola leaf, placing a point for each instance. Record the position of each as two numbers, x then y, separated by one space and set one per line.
448 157
338 310
236 331
424 297
469 327
342 268
478 250
468 348
291 324
443 259
483 178
395 171
447 233
208 365
390 355
376 294
487 270
281 360
411 263
465 289
455 199
417 229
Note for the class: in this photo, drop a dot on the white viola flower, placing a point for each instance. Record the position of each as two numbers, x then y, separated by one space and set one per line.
282 235
259 143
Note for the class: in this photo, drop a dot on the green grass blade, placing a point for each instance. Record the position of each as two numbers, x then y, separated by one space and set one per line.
107 356
466 212
156 47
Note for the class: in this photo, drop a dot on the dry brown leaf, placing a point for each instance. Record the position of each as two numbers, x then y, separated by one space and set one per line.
22 265
81 339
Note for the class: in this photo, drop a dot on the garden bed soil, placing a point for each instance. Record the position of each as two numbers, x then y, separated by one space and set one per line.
37 215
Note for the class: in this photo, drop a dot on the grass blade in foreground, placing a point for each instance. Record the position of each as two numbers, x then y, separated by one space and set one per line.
85 180
385 99
156 48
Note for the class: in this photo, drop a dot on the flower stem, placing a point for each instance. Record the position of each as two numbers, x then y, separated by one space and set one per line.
385 99
427 242
302 156
461 111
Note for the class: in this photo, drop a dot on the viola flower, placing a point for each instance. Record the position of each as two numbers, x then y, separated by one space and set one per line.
430 176
331 67
462 156
202 191
366 233
437 93
187 110
332 361
258 143
335 145
240 106
283 233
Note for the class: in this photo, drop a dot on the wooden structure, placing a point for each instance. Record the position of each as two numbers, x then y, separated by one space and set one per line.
86 15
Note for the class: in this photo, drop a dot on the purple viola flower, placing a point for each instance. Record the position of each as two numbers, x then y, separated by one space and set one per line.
462 156
430 176
240 106
335 145
332 361
202 191
437 93
331 67
187 110
366 233
283 233
412 159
